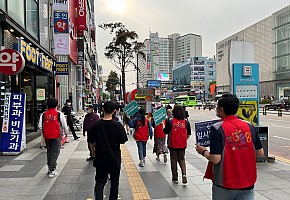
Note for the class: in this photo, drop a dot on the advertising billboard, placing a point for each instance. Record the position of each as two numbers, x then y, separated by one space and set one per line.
81 20
153 83
162 77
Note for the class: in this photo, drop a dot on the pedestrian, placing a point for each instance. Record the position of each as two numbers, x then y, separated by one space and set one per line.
159 141
143 131
67 111
234 145
178 130
186 112
51 123
126 120
169 111
105 137
89 119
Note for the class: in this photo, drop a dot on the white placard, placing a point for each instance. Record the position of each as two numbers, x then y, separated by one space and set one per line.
247 91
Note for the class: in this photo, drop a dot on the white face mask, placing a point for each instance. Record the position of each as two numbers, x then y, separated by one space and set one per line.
68 104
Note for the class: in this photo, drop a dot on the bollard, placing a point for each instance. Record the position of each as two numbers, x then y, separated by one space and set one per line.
279 112
264 111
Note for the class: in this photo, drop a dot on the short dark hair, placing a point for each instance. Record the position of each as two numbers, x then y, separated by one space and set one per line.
230 104
110 106
52 103
178 112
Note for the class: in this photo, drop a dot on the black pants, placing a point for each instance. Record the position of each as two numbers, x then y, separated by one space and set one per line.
101 180
53 149
71 127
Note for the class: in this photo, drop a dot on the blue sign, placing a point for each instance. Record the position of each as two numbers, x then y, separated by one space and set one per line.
60 19
153 83
61 68
11 141
202 130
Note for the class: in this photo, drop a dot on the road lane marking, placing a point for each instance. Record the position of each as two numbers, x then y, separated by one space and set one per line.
282 159
281 126
281 138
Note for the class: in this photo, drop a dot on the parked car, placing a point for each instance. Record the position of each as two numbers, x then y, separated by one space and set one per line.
277 104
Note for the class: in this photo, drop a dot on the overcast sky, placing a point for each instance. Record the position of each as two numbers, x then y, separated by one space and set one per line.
214 20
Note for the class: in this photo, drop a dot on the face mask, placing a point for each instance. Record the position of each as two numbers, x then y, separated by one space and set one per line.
68 104
87 111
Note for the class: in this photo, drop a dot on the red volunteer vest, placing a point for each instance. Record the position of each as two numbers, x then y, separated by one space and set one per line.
142 132
178 136
158 131
51 127
238 160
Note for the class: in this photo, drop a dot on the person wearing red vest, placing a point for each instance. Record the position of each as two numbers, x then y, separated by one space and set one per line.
52 123
234 145
143 131
178 130
159 140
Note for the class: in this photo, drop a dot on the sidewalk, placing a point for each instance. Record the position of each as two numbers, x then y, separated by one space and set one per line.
24 177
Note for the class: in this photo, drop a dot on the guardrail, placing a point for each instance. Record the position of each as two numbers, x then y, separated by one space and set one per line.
280 112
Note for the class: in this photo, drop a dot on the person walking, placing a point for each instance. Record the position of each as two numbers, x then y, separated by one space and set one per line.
169 111
105 137
52 123
234 145
89 119
67 111
178 130
159 141
143 131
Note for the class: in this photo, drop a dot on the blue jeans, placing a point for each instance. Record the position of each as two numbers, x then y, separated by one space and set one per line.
219 193
141 149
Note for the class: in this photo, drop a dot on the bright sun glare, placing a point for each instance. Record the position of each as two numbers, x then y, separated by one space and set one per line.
117 6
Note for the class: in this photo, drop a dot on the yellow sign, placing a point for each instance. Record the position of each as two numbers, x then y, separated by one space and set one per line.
34 56
248 110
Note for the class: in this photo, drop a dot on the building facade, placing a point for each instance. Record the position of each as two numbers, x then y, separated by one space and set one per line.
271 51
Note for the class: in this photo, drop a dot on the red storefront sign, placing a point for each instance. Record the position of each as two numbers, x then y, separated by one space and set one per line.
73 32
82 25
11 62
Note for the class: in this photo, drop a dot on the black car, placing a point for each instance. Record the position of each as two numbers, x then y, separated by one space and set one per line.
277 104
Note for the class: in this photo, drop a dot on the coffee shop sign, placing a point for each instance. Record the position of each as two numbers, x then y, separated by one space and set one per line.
34 56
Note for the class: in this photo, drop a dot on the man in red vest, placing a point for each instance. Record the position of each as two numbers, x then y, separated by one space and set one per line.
234 145
52 123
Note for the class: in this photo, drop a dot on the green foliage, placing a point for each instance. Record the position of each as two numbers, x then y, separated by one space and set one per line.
265 101
112 82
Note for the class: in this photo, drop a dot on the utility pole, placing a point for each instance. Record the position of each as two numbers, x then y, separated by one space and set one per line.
137 66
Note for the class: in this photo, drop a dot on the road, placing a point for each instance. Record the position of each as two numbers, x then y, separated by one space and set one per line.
279 129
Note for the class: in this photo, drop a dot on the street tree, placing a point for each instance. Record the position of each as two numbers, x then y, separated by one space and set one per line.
111 83
122 49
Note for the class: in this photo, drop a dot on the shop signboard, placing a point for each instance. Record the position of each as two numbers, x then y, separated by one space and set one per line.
81 20
11 62
131 108
61 44
202 130
61 68
14 140
6 111
60 22
159 115
40 94
81 54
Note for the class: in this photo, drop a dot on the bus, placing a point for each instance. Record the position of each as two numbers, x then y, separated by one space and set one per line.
164 100
185 100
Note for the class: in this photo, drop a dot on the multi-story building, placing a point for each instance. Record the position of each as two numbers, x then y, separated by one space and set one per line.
197 74
164 53
271 37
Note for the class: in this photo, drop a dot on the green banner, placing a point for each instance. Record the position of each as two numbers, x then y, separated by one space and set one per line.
159 115
131 108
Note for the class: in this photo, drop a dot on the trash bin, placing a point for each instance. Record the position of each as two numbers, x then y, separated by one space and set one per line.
263 135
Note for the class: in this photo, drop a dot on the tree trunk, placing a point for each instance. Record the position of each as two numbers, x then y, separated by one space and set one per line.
123 84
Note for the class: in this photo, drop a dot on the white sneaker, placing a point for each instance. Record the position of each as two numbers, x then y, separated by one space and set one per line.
157 158
141 164
52 174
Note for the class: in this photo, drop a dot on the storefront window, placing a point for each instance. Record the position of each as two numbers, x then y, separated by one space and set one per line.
3 5
17 14
32 25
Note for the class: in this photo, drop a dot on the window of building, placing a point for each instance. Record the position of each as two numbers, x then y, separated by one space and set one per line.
3 5
17 14
210 73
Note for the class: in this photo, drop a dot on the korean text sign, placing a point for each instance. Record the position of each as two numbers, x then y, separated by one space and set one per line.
131 108
11 141
202 130
159 115
60 22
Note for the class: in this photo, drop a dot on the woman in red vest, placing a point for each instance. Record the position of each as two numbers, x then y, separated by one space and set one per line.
178 130
159 140
142 132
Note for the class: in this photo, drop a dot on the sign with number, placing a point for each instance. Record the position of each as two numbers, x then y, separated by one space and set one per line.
159 115
60 22
202 130
11 62
131 108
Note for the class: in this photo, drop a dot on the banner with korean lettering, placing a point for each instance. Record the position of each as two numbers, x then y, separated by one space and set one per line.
14 141
82 24
202 130
61 24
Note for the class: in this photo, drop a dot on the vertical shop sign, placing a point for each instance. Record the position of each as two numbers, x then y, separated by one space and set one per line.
80 52
6 108
14 139
61 43
60 22
81 7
